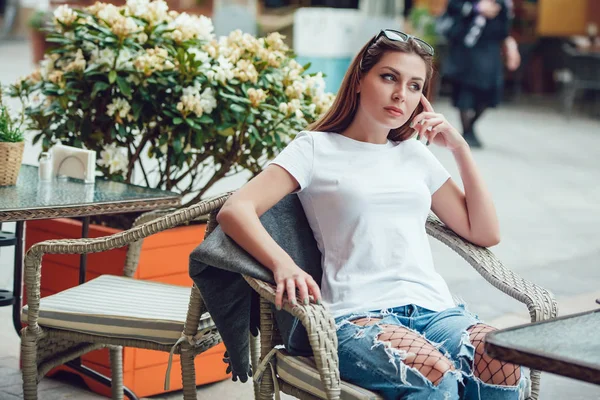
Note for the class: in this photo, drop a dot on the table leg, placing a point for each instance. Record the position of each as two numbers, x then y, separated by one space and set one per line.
85 230
18 275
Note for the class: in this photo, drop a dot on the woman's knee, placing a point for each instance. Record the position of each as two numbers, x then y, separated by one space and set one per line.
416 352
487 369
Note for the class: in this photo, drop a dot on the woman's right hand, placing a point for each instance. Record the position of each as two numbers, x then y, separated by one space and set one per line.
290 277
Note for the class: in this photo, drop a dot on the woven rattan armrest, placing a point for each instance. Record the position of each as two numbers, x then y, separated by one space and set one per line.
322 337
539 301
33 259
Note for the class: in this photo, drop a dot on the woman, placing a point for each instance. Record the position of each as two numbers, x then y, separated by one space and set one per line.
366 186
474 64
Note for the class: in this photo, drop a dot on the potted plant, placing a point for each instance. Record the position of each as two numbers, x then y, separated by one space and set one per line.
164 104
12 144
155 94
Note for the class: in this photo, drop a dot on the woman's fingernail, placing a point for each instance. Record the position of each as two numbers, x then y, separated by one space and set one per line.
319 301
278 307
412 124
294 302
306 302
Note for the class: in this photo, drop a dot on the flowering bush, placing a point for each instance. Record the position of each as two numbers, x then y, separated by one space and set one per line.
140 79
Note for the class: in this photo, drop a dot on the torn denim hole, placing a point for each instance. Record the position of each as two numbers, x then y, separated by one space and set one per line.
483 389
466 355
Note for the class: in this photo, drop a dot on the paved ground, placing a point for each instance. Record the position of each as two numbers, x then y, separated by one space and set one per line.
542 170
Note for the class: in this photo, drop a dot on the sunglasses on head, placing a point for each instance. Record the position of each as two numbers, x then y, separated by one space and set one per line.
397 36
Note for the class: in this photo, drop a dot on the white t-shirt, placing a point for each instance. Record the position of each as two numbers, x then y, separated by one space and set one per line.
367 205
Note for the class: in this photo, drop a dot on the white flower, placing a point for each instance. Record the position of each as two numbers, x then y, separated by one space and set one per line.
109 13
275 41
47 65
207 100
210 75
102 57
256 96
283 108
78 64
199 55
125 59
151 60
154 12
191 27
119 106
315 85
114 158
245 71
224 70
267 116
65 15
192 101
294 105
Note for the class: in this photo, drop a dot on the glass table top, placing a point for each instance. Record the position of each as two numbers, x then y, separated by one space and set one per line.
103 196
567 338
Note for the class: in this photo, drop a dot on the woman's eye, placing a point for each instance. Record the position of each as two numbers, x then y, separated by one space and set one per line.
388 77
415 86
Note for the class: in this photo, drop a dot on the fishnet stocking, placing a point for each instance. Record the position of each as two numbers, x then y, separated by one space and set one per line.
421 355
487 369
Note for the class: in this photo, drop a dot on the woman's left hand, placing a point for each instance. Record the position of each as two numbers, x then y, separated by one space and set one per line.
434 127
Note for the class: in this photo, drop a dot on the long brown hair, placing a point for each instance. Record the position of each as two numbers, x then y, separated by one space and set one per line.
342 111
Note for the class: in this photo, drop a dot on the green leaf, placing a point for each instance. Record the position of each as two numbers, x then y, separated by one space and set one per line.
237 108
137 109
124 86
306 66
169 113
227 132
192 124
98 87
205 119
198 139
122 131
236 98
112 76
177 146
177 121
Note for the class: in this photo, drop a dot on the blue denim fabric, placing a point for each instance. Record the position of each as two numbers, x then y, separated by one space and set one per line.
374 365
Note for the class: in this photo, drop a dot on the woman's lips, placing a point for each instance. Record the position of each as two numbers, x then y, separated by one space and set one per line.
396 112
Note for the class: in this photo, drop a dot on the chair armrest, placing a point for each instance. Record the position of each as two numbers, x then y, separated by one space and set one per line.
321 330
539 301
134 249
33 258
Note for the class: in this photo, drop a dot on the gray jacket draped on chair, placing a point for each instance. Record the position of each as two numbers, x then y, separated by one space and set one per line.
216 267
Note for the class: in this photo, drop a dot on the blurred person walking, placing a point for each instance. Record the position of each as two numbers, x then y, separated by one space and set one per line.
477 31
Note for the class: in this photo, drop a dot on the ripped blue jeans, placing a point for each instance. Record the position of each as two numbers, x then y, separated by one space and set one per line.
370 363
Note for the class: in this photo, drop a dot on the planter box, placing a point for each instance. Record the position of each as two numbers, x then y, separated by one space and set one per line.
164 258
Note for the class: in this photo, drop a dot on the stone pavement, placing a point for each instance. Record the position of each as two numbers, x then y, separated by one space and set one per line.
542 170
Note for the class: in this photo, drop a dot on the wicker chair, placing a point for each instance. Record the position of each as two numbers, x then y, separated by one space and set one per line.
58 328
318 377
